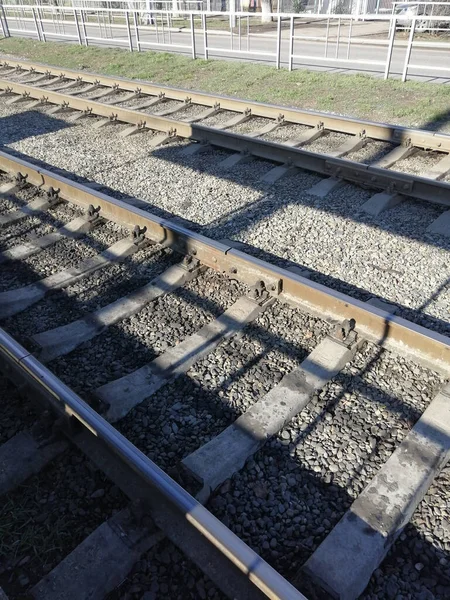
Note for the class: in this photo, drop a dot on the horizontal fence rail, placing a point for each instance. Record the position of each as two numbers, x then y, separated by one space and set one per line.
401 46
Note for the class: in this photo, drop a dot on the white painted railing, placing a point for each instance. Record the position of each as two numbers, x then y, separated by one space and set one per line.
290 40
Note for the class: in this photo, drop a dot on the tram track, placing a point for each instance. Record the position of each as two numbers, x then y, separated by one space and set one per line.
223 293
209 120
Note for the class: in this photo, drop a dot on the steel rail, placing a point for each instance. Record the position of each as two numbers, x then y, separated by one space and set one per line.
378 131
25 369
389 331
417 187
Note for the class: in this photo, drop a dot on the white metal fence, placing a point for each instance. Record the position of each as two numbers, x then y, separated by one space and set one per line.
290 40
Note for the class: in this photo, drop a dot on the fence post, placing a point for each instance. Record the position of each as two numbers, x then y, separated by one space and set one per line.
291 44
36 24
349 41
390 48
77 25
408 49
130 41
278 42
239 34
136 31
231 31
205 36
5 23
338 38
83 27
232 13
194 54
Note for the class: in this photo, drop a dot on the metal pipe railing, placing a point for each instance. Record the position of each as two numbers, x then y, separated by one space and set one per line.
218 34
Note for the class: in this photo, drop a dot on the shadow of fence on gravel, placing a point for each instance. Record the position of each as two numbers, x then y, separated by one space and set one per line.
18 127
262 209
292 549
167 448
442 119
291 557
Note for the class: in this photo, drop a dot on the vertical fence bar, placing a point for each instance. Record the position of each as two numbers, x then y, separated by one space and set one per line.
136 31
157 28
41 24
77 25
194 53
36 24
239 33
63 21
278 61
326 37
231 32
248 33
390 47
291 44
127 21
5 21
169 27
408 49
205 36
83 27
349 41
338 38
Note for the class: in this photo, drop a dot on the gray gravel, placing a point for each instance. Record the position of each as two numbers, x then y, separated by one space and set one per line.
193 111
220 119
64 254
370 152
187 413
382 256
30 228
48 516
140 338
301 483
83 297
164 572
418 163
16 412
327 142
286 132
253 124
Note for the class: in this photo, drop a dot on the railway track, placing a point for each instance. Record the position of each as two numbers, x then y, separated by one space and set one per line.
233 376
371 155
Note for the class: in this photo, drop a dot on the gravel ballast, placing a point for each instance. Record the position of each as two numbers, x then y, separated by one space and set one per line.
356 253
187 413
49 515
82 298
65 253
295 489
138 339
16 412
286 500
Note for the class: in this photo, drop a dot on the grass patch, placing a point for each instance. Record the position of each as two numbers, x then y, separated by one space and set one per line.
412 103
